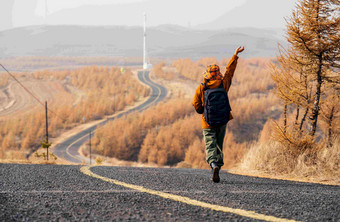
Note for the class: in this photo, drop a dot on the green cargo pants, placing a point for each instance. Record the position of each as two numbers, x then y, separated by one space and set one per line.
213 139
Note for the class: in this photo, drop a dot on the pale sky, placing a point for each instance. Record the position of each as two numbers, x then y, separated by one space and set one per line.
198 8
130 12
179 12
57 5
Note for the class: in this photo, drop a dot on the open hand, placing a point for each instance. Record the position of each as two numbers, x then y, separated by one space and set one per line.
239 49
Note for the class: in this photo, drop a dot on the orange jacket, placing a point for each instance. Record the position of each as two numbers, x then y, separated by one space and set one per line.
198 101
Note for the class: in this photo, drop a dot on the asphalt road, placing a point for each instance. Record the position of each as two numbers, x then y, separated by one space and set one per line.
73 193
68 150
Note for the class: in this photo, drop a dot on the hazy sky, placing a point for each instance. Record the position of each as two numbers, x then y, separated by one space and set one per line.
199 5
130 12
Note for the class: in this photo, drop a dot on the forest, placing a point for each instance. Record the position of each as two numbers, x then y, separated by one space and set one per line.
170 133
305 141
104 91
286 109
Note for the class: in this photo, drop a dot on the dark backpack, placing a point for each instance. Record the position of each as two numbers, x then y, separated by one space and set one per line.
216 106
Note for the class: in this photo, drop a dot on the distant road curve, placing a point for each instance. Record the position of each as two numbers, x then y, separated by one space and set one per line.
68 149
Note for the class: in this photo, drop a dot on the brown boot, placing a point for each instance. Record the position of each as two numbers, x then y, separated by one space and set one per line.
216 171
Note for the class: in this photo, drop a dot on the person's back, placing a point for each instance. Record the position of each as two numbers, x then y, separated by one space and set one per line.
214 135
216 106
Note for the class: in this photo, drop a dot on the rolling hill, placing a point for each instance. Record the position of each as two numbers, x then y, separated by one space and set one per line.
166 41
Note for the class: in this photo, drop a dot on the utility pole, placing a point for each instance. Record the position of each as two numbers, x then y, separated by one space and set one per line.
45 144
46 126
90 147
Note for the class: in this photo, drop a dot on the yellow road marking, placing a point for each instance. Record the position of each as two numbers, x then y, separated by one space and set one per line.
155 85
245 213
69 146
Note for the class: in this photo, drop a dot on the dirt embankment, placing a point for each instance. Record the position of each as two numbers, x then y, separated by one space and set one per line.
15 100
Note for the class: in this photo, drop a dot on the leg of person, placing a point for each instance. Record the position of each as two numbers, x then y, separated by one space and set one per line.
210 145
220 134
211 152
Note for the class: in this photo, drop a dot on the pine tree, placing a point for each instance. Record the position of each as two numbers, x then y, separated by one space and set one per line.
313 33
330 115
310 61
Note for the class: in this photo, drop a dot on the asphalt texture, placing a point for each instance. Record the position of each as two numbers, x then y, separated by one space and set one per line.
68 149
63 193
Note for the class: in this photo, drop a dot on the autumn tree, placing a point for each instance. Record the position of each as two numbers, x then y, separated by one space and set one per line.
195 155
134 129
313 31
330 115
158 70
311 59
101 91
293 87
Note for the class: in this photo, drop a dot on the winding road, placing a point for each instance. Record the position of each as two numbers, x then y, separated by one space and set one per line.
31 192
68 149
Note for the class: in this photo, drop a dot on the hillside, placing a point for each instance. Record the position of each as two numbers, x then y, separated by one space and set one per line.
166 41
170 133
246 16
74 97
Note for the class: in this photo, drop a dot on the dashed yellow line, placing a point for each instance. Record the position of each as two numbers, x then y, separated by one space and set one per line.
245 213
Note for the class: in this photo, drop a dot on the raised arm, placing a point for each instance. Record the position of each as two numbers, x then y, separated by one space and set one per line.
229 73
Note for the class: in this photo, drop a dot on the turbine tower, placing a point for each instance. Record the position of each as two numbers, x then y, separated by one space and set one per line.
145 64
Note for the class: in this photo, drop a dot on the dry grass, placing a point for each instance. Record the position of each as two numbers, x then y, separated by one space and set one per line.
317 165
24 133
20 157
16 102
111 161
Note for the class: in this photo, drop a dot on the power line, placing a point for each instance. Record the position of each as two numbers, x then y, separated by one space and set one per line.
29 92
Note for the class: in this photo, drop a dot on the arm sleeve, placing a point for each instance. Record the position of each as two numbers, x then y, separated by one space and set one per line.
197 101
229 73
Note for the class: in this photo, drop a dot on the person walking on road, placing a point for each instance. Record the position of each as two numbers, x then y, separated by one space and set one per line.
211 100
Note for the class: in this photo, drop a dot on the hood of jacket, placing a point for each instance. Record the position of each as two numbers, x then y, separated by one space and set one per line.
213 84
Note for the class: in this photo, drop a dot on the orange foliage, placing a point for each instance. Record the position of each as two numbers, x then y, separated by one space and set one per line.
251 76
156 137
232 152
251 98
204 62
159 72
4 80
195 155
126 142
106 90
188 69
29 63
168 133
168 144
